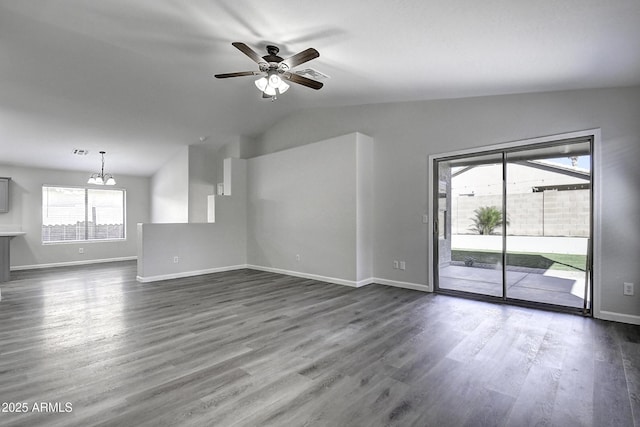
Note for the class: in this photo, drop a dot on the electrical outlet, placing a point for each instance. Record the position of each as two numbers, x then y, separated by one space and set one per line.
80 250
403 265
628 289
176 259
395 264
297 257
425 219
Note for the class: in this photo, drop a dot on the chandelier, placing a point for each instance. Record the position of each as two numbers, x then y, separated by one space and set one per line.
102 178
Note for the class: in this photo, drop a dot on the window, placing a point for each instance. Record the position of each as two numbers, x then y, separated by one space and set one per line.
71 214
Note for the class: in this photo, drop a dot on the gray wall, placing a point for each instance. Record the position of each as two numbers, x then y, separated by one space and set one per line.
170 190
303 202
200 248
364 206
406 133
313 201
202 178
179 189
26 213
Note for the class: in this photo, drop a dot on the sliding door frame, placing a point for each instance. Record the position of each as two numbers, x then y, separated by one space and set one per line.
595 225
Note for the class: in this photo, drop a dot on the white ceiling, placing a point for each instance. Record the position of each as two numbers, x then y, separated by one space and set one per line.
134 78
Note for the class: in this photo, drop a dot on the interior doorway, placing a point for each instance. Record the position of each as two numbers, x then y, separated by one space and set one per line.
515 224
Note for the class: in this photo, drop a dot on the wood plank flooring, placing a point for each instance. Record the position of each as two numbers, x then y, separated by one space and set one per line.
249 348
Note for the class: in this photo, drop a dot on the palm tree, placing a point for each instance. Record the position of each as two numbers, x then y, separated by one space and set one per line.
486 220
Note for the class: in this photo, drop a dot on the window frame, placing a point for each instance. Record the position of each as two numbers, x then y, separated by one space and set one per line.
86 216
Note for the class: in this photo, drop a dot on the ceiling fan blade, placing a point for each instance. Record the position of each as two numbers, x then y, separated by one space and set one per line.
238 74
295 78
301 57
248 51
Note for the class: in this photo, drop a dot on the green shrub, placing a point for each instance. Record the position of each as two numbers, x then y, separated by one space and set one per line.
486 219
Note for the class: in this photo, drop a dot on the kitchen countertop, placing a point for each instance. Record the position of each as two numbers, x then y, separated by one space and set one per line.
11 233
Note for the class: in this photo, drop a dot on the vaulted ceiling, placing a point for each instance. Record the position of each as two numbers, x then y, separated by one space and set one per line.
134 78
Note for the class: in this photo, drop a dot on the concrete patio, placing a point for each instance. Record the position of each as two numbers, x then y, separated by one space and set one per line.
557 287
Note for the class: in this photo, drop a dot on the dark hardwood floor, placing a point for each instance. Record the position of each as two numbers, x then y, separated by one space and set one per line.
249 348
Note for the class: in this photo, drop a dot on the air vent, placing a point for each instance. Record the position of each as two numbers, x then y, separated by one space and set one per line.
80 152
312 74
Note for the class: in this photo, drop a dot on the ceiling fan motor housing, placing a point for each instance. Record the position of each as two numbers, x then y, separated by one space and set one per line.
272 58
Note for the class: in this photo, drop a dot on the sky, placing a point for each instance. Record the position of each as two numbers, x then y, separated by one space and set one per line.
584 162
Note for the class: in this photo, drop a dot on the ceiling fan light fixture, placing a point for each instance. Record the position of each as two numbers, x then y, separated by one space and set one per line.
272 85
283 87
274 80
262 83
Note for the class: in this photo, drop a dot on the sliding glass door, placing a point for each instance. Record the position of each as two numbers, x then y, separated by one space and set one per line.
470 203
515 225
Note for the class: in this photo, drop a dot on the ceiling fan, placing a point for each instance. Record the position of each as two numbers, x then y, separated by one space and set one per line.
274 70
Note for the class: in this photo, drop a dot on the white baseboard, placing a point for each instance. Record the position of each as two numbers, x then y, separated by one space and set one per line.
364 282
182 274
405 285
344 282
618 317
72 263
